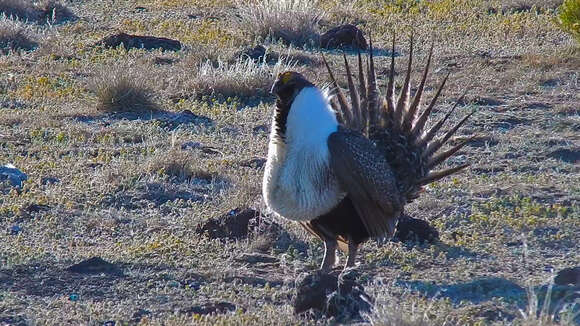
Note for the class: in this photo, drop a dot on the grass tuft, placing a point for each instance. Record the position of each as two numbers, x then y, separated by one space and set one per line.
14 36
17 9
292 21
180 166
47 11
53 12
244 78
118 90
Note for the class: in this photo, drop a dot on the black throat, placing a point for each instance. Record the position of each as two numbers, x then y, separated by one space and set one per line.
284 100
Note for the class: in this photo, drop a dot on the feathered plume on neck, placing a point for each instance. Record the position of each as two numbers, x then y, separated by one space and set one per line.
311 118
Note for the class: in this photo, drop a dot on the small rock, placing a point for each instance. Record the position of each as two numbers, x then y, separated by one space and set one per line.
174 284
568 276
336 295
210 308
49 180
414 229
254 258
14 176
186 116
191 145
95 265
568 155
260 129
139 314
311 290
15 229
232 225
35 208
254 163
257 53
140 42
343 36
163 61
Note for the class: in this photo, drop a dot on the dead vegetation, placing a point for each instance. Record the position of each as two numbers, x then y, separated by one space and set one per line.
41 12
14 36
292 21
121 90
244 78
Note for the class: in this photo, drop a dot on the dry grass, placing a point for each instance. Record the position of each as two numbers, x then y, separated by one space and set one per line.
42 12
18 9
243 78
292 21
182 166
14 36
121 90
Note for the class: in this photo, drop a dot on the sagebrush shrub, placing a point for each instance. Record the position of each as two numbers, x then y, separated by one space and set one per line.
14 36
292 21
118 90
569 17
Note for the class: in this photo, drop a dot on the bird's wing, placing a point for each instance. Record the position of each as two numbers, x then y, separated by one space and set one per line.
365 174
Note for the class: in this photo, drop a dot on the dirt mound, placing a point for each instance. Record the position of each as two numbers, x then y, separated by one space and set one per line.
412 229
250 223
140 42
343 36
334 295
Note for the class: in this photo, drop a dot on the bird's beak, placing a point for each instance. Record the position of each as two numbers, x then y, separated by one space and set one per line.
275 87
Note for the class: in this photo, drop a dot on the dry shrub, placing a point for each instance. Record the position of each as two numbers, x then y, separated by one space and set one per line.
121 89
48 11
292 21
19 9
53 12
14 36
243 78
214 53
512 6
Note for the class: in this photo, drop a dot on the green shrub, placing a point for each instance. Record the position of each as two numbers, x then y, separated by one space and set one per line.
569 17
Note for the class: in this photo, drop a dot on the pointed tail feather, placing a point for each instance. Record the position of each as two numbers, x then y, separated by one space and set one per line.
341 99
403 101
410 114
393 124
356 118
372 91
420 124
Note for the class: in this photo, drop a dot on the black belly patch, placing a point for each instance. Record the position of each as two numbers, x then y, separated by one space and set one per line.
342 221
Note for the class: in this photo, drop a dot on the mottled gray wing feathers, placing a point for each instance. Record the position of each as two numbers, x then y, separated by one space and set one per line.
365 174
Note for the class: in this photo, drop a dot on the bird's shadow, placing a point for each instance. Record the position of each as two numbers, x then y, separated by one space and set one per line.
475 291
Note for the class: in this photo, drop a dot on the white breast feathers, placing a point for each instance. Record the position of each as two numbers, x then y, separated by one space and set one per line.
298 183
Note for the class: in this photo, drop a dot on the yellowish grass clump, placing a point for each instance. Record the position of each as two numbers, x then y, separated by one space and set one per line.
120 90
293 21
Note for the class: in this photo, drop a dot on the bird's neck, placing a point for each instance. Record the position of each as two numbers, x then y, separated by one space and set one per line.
310 119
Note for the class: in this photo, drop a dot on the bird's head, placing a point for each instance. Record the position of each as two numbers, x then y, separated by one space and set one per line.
288 84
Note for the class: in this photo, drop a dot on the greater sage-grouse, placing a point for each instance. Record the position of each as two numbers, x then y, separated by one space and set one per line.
345 169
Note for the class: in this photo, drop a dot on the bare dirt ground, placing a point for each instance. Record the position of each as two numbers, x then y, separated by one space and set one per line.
136 188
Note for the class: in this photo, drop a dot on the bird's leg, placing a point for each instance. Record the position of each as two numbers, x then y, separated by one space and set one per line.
352 250
329 254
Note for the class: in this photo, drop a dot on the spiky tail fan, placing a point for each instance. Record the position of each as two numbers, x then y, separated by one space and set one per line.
395 126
